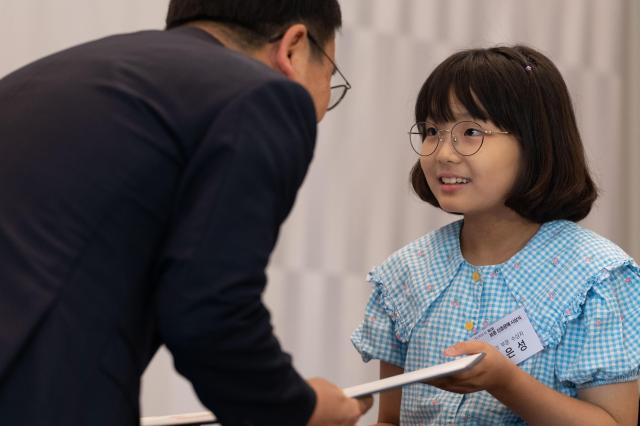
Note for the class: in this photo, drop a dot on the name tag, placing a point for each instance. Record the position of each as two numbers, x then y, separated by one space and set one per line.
513 336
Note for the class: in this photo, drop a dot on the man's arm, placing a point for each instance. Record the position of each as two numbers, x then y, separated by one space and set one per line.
237 189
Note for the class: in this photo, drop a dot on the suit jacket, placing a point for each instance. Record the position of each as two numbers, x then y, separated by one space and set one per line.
143 181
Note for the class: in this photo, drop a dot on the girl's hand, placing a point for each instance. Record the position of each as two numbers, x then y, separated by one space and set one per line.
493 372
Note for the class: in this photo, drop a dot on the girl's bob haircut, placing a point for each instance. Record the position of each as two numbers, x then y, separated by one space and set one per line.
519 90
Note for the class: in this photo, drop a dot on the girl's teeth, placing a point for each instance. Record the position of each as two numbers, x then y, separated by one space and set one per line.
454 180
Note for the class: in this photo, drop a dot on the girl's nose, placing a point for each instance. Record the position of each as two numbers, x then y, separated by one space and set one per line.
445 152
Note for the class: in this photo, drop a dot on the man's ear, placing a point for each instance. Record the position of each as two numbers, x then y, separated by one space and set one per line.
292 52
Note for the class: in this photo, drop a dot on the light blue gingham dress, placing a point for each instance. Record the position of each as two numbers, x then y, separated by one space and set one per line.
580 291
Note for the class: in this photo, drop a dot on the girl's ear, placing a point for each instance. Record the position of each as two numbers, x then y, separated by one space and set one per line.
292 53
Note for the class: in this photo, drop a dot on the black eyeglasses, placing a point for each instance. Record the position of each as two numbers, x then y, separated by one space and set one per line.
338 91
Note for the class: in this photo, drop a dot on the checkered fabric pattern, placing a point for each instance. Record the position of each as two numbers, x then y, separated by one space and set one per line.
580 291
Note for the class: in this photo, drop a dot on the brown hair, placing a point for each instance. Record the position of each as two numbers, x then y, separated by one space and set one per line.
521 91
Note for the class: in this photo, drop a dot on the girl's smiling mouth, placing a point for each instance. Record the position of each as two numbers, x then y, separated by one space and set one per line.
453 180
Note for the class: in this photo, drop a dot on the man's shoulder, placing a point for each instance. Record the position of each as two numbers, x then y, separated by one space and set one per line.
199 60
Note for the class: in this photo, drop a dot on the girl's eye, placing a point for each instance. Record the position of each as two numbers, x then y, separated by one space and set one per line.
473 132
430 131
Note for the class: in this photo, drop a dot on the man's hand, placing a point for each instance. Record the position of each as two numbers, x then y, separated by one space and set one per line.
333 407
492 372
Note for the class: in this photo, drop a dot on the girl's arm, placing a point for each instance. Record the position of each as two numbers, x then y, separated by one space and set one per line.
537 404
389 408
615 404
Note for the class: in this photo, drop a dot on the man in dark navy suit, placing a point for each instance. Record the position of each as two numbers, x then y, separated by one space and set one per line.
143 181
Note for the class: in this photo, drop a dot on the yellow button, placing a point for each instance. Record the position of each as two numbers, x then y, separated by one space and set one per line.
468 325
476 276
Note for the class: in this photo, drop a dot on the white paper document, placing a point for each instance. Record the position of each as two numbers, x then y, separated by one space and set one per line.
200 418
433 372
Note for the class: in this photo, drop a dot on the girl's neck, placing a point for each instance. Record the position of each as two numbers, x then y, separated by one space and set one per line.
491 239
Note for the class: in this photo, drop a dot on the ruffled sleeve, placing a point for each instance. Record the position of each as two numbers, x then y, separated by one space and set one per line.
387 324
375 338
404 286
602 345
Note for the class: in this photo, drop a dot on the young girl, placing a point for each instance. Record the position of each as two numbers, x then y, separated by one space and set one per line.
555 307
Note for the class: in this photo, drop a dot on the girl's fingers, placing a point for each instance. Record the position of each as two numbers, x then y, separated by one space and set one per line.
465 348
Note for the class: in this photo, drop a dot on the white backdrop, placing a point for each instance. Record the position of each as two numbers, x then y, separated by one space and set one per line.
356 206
